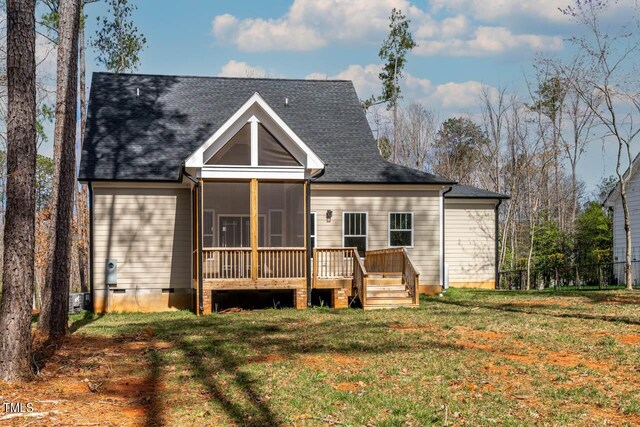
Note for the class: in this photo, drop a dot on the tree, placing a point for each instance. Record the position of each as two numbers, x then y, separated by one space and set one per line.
456 149
44 182
593 234
606 186
117 41
18 257
609 89
393 53
54 315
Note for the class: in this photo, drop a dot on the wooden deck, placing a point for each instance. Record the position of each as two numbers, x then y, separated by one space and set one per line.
384 279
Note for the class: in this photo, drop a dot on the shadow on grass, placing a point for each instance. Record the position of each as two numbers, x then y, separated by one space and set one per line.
220 353
515 308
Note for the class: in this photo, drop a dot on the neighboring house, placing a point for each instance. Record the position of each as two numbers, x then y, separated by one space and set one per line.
202 186
614 202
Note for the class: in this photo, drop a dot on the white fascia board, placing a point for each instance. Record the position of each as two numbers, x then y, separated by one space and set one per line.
197 158
248 172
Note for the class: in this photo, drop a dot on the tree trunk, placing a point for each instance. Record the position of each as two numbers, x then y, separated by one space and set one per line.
82 194
19 235
54 316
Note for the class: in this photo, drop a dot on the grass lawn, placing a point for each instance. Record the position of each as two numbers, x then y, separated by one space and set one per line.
468 358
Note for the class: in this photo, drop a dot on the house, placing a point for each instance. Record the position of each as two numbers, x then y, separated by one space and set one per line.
206 187
614 203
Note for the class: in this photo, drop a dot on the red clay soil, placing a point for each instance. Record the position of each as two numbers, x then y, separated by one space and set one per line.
89 381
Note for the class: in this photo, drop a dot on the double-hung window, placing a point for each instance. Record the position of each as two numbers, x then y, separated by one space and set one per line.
354 230
400 229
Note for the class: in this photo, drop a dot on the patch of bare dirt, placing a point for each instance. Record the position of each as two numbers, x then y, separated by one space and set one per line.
87 380
629 339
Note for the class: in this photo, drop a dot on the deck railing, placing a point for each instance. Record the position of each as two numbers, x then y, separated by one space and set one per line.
226 263
395 260
285 263
332 263
235 263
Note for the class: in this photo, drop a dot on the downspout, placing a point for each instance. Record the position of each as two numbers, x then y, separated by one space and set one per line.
91 268
199 225
497 238
443 243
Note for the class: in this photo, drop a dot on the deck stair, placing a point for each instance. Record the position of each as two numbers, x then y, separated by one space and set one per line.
387 290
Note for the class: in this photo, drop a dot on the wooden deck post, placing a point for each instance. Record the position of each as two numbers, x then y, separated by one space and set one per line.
254 229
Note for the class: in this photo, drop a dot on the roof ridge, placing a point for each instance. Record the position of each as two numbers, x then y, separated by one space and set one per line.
188 76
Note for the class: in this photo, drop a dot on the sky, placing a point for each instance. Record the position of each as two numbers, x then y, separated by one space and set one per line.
462 45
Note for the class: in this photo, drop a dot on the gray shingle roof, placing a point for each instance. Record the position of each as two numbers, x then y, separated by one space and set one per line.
468 192
142 127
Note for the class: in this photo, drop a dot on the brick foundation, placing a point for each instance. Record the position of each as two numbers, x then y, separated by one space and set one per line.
339 298
300 298
207 301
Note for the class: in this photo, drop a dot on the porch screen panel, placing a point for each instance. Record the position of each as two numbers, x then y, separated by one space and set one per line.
227 214
271 152
237 151
282 206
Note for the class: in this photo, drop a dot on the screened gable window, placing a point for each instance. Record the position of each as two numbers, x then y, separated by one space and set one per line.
400 229
236 152
271 152
355 230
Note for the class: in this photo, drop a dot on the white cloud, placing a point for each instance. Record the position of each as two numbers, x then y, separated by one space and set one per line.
458 95
489 40
313 24
499 10
235 68
448 96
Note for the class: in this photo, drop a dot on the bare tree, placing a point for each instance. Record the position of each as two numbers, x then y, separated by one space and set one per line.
417 129
609 90
54 315
18 267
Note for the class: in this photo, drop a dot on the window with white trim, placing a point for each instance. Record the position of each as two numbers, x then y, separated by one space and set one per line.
312 229
354 230
400 229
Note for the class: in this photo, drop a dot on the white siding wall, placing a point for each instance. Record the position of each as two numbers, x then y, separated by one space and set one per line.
425 206
148 232
470 243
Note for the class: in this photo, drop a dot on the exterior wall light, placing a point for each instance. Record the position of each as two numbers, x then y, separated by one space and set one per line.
329 215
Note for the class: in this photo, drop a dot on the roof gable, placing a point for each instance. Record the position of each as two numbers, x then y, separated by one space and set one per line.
255 110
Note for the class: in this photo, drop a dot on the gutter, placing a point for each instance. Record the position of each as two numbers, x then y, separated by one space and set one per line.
442 269
199 226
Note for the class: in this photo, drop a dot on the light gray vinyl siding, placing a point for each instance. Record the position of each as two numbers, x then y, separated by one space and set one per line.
425 206
470 243
148 231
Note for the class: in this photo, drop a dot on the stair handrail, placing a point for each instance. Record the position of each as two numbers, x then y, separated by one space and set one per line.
411 277
360 277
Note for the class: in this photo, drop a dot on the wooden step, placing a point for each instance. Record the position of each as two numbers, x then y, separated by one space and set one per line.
387 281
392 294
387 288
389 301
388 307
384 274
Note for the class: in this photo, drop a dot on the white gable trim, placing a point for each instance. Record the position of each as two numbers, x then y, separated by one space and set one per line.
247 113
